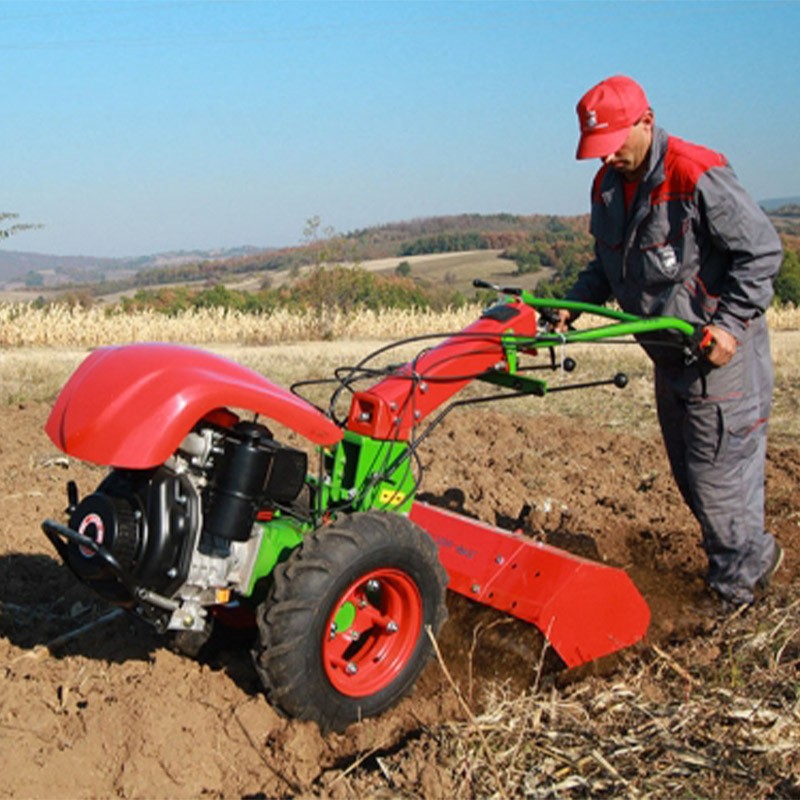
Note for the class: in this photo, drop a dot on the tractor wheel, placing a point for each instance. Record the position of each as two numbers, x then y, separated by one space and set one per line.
342 632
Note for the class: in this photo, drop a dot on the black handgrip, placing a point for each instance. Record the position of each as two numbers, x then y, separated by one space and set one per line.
478 283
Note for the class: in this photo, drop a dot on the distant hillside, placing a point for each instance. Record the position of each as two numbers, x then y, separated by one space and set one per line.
776 203
785 215
447 234
450 234
44 270
14 264
530 244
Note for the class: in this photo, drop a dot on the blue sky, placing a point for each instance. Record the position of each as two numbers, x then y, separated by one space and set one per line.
130 128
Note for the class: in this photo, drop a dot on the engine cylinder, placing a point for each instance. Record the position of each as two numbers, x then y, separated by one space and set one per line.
238 483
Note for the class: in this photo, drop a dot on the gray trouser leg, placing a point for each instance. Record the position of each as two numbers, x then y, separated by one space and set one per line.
717 450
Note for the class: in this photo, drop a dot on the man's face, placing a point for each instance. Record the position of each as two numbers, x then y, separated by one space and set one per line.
630 160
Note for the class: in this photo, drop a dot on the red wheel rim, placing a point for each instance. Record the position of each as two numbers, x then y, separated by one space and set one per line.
372 632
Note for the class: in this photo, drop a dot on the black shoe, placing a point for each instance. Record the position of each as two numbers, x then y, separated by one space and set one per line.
763 583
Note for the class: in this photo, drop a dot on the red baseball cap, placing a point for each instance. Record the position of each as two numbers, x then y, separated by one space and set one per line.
606 113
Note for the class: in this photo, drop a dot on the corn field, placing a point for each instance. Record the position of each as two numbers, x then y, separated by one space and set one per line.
25 325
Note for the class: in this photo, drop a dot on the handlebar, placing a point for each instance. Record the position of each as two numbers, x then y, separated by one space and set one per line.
624 324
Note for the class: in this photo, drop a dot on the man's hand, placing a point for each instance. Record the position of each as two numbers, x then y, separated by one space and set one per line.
723 346
564 319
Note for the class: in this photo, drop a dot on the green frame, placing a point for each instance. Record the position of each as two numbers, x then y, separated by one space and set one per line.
364 474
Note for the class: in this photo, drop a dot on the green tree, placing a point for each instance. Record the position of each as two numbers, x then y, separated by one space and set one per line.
787 282
33 279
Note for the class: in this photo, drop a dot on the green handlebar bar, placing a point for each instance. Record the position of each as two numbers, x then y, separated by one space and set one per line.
575 305
625 324
618 329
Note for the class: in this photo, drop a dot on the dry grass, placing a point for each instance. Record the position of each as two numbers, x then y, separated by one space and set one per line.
37 374
24 325
40 349
784 318
675 726
717 716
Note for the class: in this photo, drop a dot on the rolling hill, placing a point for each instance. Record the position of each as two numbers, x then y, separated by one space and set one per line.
449 250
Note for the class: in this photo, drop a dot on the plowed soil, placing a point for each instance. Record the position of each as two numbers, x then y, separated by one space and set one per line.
113 711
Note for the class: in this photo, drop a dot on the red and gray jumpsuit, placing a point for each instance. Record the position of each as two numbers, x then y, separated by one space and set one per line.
694 245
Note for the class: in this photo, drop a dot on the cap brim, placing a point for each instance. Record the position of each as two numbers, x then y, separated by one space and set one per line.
599 144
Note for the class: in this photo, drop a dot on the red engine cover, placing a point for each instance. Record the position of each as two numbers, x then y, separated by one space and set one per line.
132 406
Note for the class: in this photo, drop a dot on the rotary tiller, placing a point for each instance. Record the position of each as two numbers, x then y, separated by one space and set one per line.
204 513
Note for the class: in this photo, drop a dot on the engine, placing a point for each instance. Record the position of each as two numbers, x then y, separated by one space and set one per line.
172 541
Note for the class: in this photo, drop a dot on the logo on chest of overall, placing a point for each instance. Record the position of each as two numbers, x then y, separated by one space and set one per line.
668 259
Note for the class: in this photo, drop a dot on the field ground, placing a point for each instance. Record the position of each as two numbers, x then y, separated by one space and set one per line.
36 373
705 707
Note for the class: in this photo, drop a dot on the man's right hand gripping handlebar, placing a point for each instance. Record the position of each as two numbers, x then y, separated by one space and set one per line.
716 345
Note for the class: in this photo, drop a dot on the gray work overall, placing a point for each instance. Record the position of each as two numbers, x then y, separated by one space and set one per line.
694 245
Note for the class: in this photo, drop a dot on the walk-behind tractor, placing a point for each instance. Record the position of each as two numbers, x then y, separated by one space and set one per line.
204 512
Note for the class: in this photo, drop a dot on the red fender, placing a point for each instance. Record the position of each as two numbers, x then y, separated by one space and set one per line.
132 406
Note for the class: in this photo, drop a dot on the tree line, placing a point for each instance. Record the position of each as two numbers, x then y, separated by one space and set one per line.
562 245
345 288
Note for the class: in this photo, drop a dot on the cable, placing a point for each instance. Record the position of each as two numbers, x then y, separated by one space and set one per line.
384 467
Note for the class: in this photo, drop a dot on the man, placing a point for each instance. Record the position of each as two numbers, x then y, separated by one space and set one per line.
676 234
